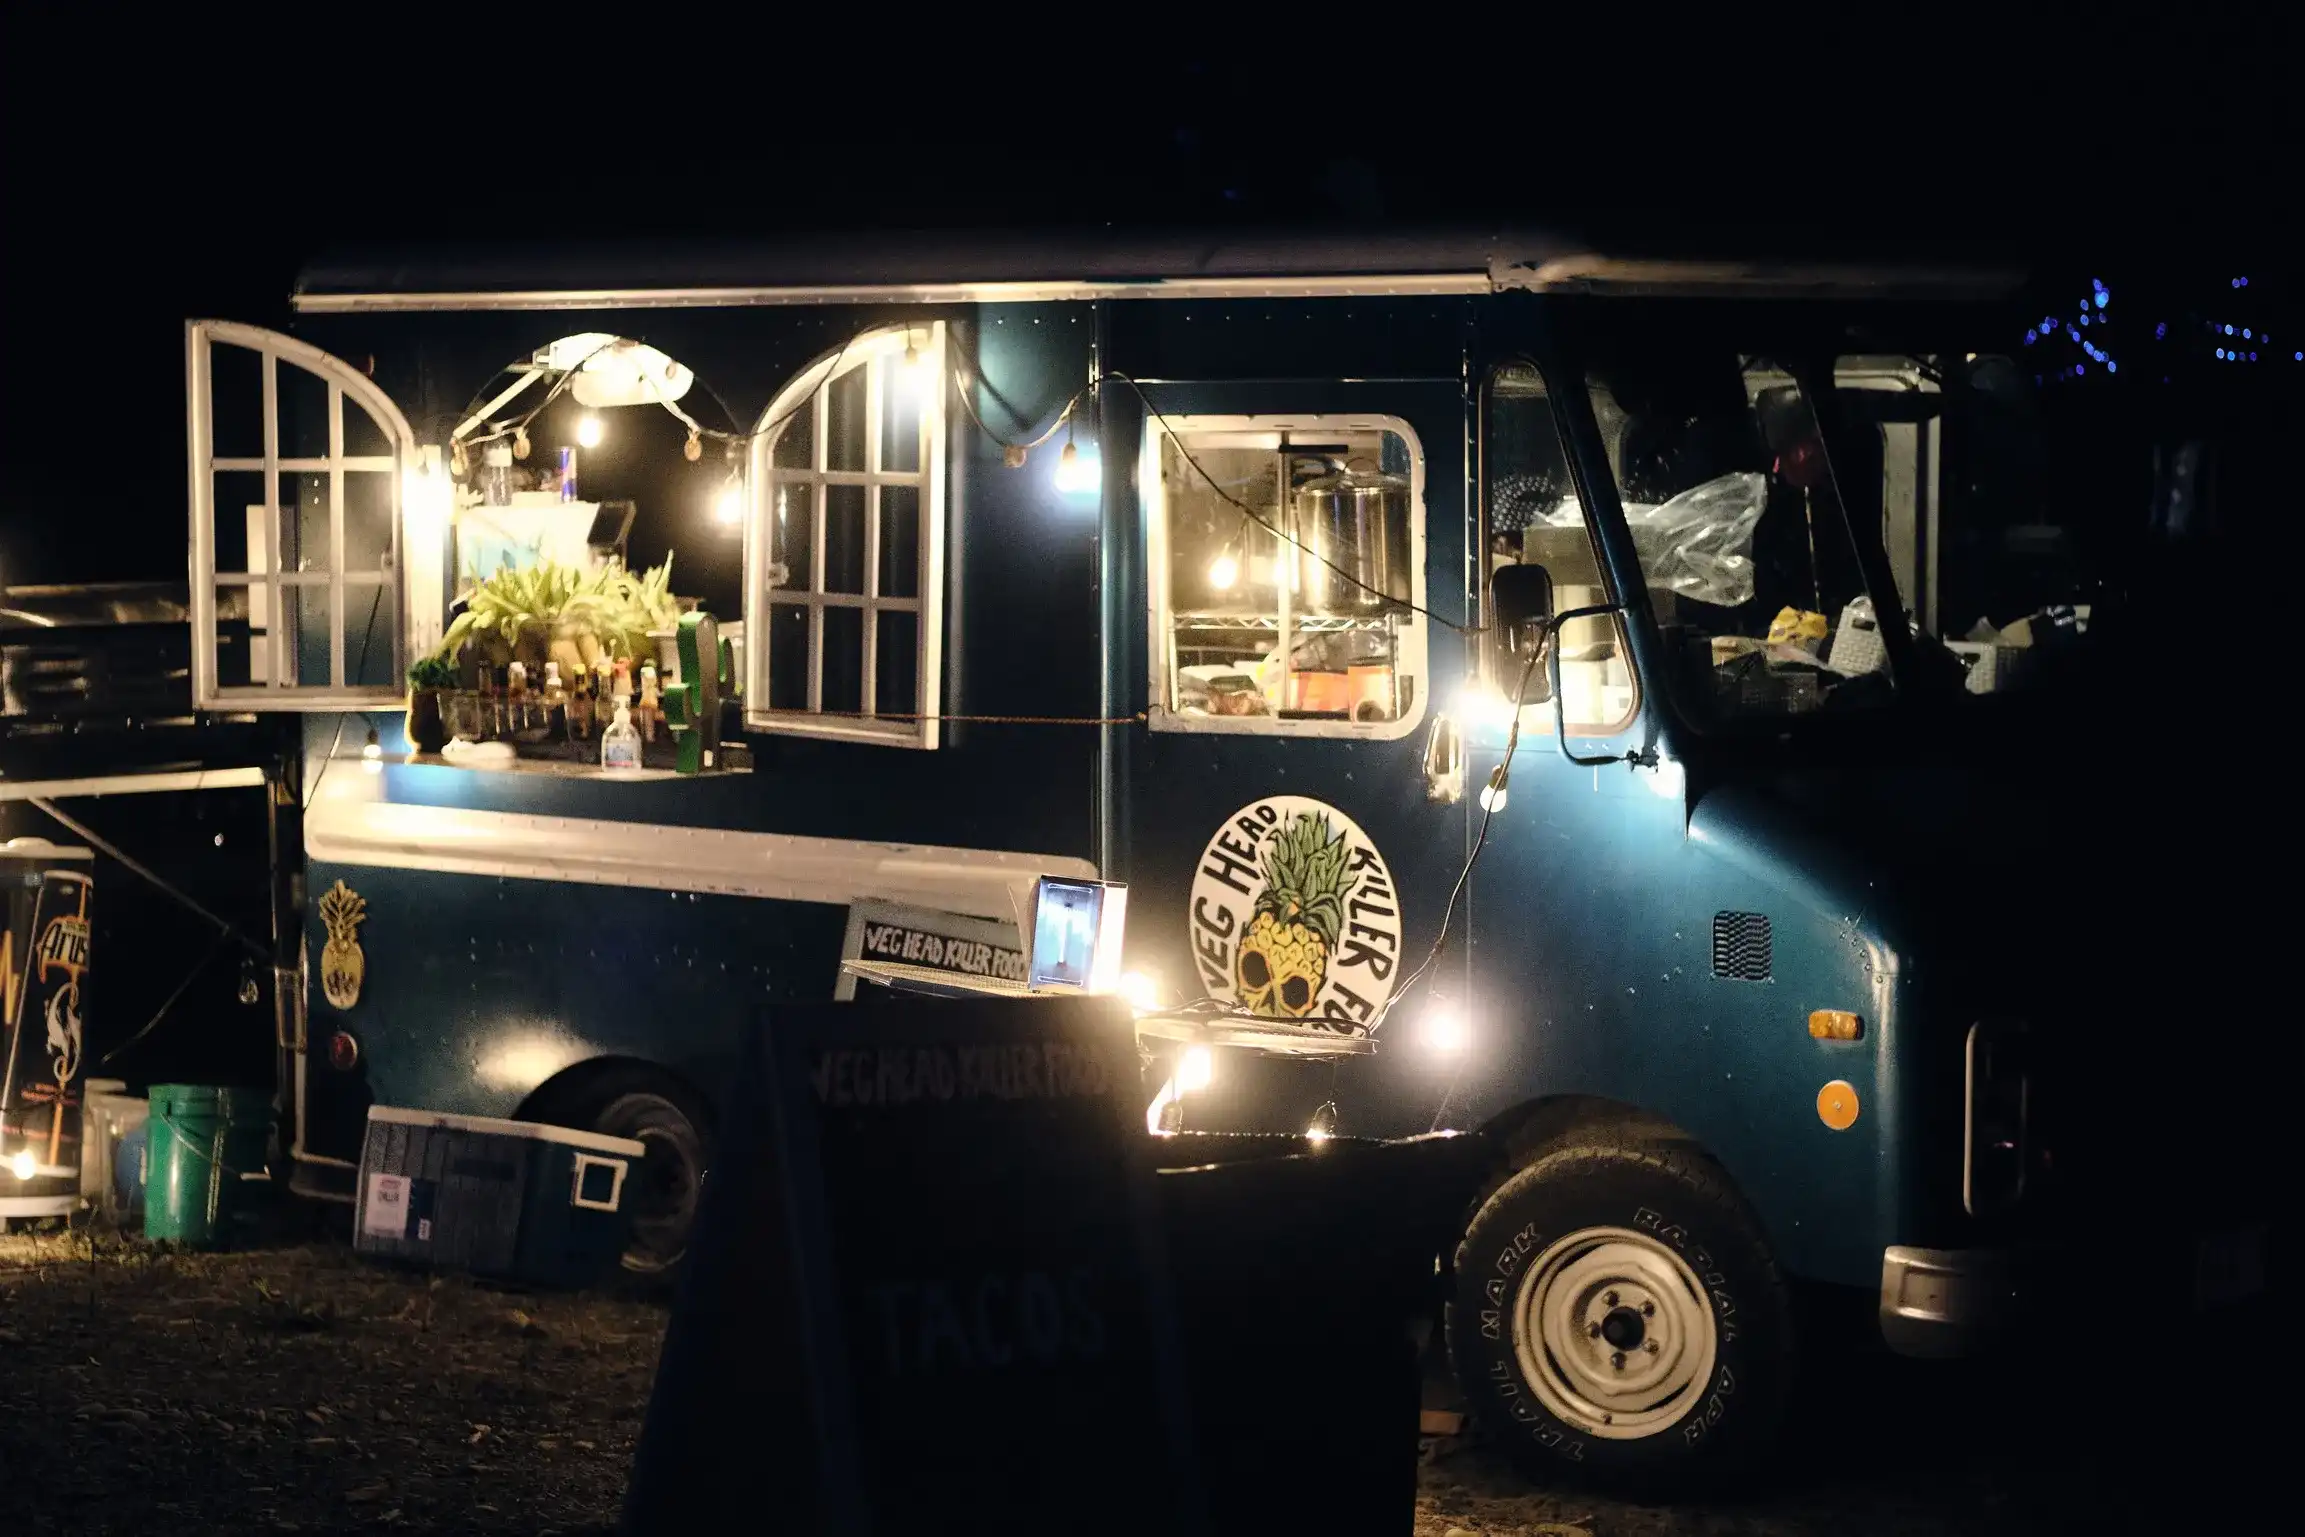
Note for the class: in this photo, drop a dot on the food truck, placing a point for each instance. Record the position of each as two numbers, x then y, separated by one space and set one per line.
1524 689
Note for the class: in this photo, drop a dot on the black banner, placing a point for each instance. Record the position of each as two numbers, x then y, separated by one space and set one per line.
930 1266
46 969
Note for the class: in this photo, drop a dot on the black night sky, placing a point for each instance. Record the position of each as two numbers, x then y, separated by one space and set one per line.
188 166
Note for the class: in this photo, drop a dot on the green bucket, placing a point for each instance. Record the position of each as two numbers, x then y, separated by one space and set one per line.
202 1143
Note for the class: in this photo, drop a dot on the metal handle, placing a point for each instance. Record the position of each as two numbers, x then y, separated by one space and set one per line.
576 1195
1444 762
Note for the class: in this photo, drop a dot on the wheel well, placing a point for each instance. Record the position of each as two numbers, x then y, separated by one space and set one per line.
1525 1128
562 1096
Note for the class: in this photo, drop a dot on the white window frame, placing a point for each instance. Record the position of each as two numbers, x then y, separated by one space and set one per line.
875 351
347 387
1414 656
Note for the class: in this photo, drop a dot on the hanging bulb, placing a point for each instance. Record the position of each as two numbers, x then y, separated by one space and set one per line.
458 465
728 506
372 755
1224 571
520 442
24 1165
1012 455
588 431
693 449
1076 471
1493 793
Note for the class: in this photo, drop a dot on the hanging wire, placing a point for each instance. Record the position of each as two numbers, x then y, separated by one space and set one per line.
1480 841
191 976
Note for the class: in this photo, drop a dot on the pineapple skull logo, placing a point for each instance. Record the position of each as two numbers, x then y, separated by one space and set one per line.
1294 916
1285 958
342 966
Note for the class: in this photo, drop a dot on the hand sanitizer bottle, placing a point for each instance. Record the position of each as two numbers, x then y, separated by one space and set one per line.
620 743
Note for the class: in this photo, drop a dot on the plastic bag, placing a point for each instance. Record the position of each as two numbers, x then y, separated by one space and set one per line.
1699 544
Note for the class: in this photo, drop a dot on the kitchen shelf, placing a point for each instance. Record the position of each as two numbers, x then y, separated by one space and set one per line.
1302 624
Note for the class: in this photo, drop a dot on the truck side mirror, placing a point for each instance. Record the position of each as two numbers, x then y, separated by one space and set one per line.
1520 612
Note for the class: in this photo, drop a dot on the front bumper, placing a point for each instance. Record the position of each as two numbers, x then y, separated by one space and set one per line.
1945 1302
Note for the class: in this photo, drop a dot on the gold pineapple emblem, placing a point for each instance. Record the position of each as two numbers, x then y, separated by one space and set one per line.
342 966
1285 957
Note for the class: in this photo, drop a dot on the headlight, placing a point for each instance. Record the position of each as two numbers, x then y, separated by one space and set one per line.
1996 1143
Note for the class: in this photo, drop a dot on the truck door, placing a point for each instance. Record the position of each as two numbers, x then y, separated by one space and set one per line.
1288 852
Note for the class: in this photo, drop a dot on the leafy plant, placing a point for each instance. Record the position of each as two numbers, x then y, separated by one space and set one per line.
574 616
431 672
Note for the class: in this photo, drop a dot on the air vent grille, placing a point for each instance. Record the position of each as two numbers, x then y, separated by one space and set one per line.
1741 946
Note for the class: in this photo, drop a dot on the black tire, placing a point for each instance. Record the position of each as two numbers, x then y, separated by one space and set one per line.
1671 1202
659 1112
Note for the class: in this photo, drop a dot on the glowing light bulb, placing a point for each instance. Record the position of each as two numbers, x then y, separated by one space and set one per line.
1195 1069
372 755
1318 1133
1444 1030
1076 471
588 432
728 506
1224 571
1492 797
1142 993
1476 704
23 1165
693 449
520 442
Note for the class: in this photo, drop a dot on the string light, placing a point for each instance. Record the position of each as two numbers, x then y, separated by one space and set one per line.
693 449
728 506
372 755
588 431
520 442
1224 571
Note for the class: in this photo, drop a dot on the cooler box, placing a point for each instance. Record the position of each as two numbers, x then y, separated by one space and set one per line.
510 1199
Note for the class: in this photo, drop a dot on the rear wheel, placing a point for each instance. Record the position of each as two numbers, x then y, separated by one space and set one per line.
1615 1310
658 1112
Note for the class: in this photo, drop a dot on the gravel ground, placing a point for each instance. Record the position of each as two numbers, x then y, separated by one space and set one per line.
300 1388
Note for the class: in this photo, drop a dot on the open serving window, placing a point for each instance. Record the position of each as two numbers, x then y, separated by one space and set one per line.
303 479
1287 568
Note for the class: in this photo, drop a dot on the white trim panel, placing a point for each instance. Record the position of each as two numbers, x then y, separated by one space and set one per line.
1406 285
1569 274
982 883
494 1126
131 784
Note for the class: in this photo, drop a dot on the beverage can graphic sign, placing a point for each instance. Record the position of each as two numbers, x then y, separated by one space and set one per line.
1295 915
46 1042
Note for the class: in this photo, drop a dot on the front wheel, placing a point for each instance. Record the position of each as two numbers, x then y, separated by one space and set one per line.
1615 1310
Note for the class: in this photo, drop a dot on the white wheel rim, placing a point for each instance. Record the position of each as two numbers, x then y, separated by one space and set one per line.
1614 1333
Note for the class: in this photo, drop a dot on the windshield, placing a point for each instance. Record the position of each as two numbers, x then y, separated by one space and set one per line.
1735 507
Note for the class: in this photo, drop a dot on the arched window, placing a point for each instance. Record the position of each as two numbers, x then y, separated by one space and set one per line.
844 554
315 572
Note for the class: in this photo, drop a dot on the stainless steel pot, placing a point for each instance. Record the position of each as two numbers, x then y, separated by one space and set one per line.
1352 523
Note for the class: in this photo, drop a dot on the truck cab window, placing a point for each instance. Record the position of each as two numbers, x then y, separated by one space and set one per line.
1287 567
1750 571
1531 516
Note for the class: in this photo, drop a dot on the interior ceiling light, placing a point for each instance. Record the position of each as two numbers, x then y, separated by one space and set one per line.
616 371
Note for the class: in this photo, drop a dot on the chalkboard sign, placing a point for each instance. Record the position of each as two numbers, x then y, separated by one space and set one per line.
927 1292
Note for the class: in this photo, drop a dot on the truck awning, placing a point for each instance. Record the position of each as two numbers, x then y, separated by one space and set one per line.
923 267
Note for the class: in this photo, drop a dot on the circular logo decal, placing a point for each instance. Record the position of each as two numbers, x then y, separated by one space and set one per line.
1294 915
